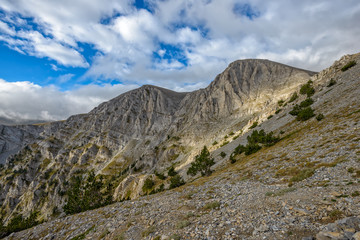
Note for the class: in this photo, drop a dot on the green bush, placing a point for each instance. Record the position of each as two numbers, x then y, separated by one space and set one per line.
252 148
348 65
202 163
18 223
176 181
331 83
320 117
160 175
305 114
222 154
148 185
303 111
281 102
270 116
307 102
307 89
293 97
295 111
278 111
254 140
86 194
211 205
254 125
172 172
232 158
214 143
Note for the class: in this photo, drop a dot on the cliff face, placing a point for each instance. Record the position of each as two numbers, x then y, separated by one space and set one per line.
130 136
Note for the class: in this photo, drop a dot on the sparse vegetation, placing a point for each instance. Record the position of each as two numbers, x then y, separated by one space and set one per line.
202 163
303 174
254 125
331 83
307 89
254 141
348 65
305 114
307 102
160 175
214 143
293 97
18 223
148 185
281 102
320 117
211 205
86 194
171 172
176 181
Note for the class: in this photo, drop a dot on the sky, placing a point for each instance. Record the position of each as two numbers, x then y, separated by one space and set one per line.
64 57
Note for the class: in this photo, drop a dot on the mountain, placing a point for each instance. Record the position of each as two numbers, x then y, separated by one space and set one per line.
145 132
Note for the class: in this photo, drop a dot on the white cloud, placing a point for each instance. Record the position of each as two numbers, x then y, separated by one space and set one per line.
65 78
29 101
207 36
4 28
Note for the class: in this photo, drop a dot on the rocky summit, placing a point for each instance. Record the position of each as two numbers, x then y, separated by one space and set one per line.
282 161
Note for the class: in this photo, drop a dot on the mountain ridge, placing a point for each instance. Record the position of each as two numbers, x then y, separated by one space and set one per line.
104 141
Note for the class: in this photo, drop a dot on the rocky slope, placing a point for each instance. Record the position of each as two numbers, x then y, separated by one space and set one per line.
132 135
168 128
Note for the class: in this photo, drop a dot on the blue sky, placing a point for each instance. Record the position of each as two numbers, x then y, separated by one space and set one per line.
59 58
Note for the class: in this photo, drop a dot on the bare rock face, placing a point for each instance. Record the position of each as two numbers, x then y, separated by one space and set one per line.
130 136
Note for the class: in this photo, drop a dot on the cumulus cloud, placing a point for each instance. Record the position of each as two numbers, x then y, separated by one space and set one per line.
29 101
180 44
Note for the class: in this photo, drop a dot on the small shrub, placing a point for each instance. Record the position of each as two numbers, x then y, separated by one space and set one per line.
172 172
211 205
278 111
223 154
202 163
231 133
303 174
214 143
355 194
305 114
307 102
293 97
335 214
281 102
252 148
148 231
254 125
270 116
232 158
183 224
176 181
320 117
348 65
148 185
295 111
160 176
331 83
351 170
224 143
307 89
